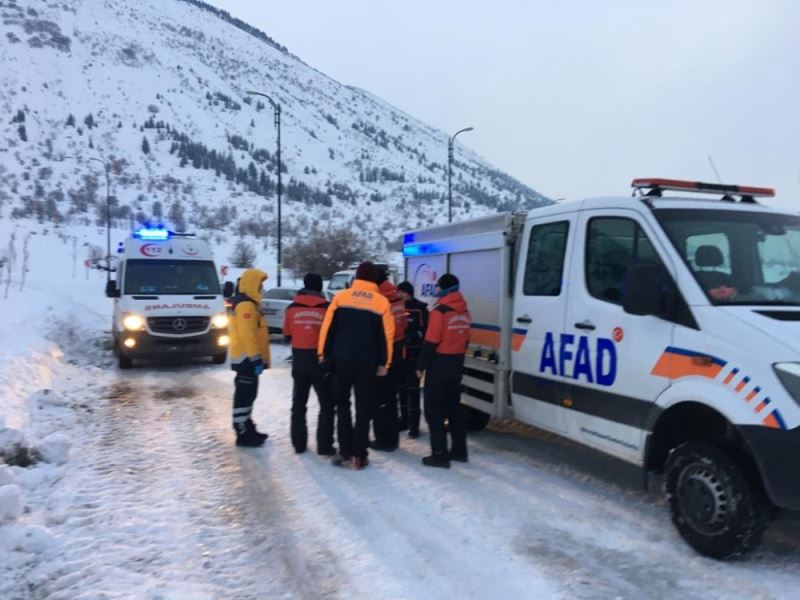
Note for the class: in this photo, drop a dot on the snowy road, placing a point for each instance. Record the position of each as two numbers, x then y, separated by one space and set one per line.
156 502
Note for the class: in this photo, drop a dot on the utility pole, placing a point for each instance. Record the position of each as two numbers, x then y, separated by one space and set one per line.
450 172
277 109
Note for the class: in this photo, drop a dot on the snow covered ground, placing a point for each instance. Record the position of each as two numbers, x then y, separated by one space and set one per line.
137 490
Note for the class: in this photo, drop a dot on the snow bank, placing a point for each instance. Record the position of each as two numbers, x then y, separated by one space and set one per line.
14 447
10 503
7 476
53 449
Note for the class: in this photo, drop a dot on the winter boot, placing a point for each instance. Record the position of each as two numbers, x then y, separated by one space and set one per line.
382 447
339 460
248 436
413 432
436 460
458 457
360 463
252 427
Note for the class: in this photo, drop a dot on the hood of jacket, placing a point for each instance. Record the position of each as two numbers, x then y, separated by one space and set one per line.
250 284
310 298
455 301
388 291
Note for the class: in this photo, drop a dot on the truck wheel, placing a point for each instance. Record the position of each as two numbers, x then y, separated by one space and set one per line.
475 420
220 358
716 508
124 361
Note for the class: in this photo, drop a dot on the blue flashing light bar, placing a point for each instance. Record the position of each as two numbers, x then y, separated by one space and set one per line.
408 238
152 234
421 250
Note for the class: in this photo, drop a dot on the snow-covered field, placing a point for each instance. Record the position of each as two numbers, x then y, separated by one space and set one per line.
137 491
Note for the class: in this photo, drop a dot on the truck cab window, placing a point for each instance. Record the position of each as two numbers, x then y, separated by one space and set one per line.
613 245
544 266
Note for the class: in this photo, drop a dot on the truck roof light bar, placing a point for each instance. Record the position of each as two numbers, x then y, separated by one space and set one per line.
655 186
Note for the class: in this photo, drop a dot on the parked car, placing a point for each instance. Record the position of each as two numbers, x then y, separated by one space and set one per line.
274 305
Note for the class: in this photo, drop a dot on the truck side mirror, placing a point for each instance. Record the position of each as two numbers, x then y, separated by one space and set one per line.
112 291
227 289
643 293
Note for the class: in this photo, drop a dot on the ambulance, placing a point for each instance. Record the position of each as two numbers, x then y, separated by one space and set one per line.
662 329
167 299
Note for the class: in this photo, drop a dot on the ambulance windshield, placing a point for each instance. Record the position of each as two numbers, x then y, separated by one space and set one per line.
170 277
739 257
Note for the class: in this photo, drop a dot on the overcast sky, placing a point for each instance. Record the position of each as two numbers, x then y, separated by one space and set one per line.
574 97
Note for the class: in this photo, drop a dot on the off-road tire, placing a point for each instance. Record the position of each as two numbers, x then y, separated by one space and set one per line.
715 504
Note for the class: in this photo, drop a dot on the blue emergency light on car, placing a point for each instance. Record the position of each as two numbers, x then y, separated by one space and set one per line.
152 234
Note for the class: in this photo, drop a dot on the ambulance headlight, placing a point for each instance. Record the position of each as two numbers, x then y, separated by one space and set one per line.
789 374
219 321
133 322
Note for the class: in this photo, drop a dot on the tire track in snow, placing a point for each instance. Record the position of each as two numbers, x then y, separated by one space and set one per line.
160 502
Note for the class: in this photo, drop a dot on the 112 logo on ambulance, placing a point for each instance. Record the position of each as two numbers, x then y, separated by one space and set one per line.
568 357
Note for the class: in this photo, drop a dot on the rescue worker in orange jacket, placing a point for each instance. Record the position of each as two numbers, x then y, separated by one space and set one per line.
249 354
301 325
442 362
385 421
357 338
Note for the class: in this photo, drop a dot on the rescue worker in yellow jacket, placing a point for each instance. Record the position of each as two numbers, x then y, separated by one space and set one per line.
249 354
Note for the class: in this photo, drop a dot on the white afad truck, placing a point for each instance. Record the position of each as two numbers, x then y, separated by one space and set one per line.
168 302
661 329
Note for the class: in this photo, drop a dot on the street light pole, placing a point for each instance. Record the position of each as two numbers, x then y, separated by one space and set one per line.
450 172
108 216
277 108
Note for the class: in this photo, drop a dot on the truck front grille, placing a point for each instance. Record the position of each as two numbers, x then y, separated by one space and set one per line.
178 325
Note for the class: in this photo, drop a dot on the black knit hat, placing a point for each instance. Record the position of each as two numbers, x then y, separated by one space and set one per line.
312 282
382 276
367 271
447 281
405 286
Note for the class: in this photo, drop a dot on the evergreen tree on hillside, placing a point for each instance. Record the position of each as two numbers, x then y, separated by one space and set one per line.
70 121
89 121
23 135
145 146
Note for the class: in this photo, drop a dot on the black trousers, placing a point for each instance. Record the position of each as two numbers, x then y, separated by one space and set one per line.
385 421
443 402
361 379
244 394
408 394
304 379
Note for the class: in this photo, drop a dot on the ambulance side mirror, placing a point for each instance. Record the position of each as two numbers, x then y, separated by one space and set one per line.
643 292
112 291
227 289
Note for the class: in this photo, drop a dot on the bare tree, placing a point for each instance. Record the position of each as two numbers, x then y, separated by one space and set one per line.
11 258
25 256
326 251
244 255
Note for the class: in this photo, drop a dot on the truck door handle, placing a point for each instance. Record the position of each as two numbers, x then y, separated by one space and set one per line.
587 325
524 319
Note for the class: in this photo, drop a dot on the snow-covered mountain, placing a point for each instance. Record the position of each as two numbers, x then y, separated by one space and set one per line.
158 89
